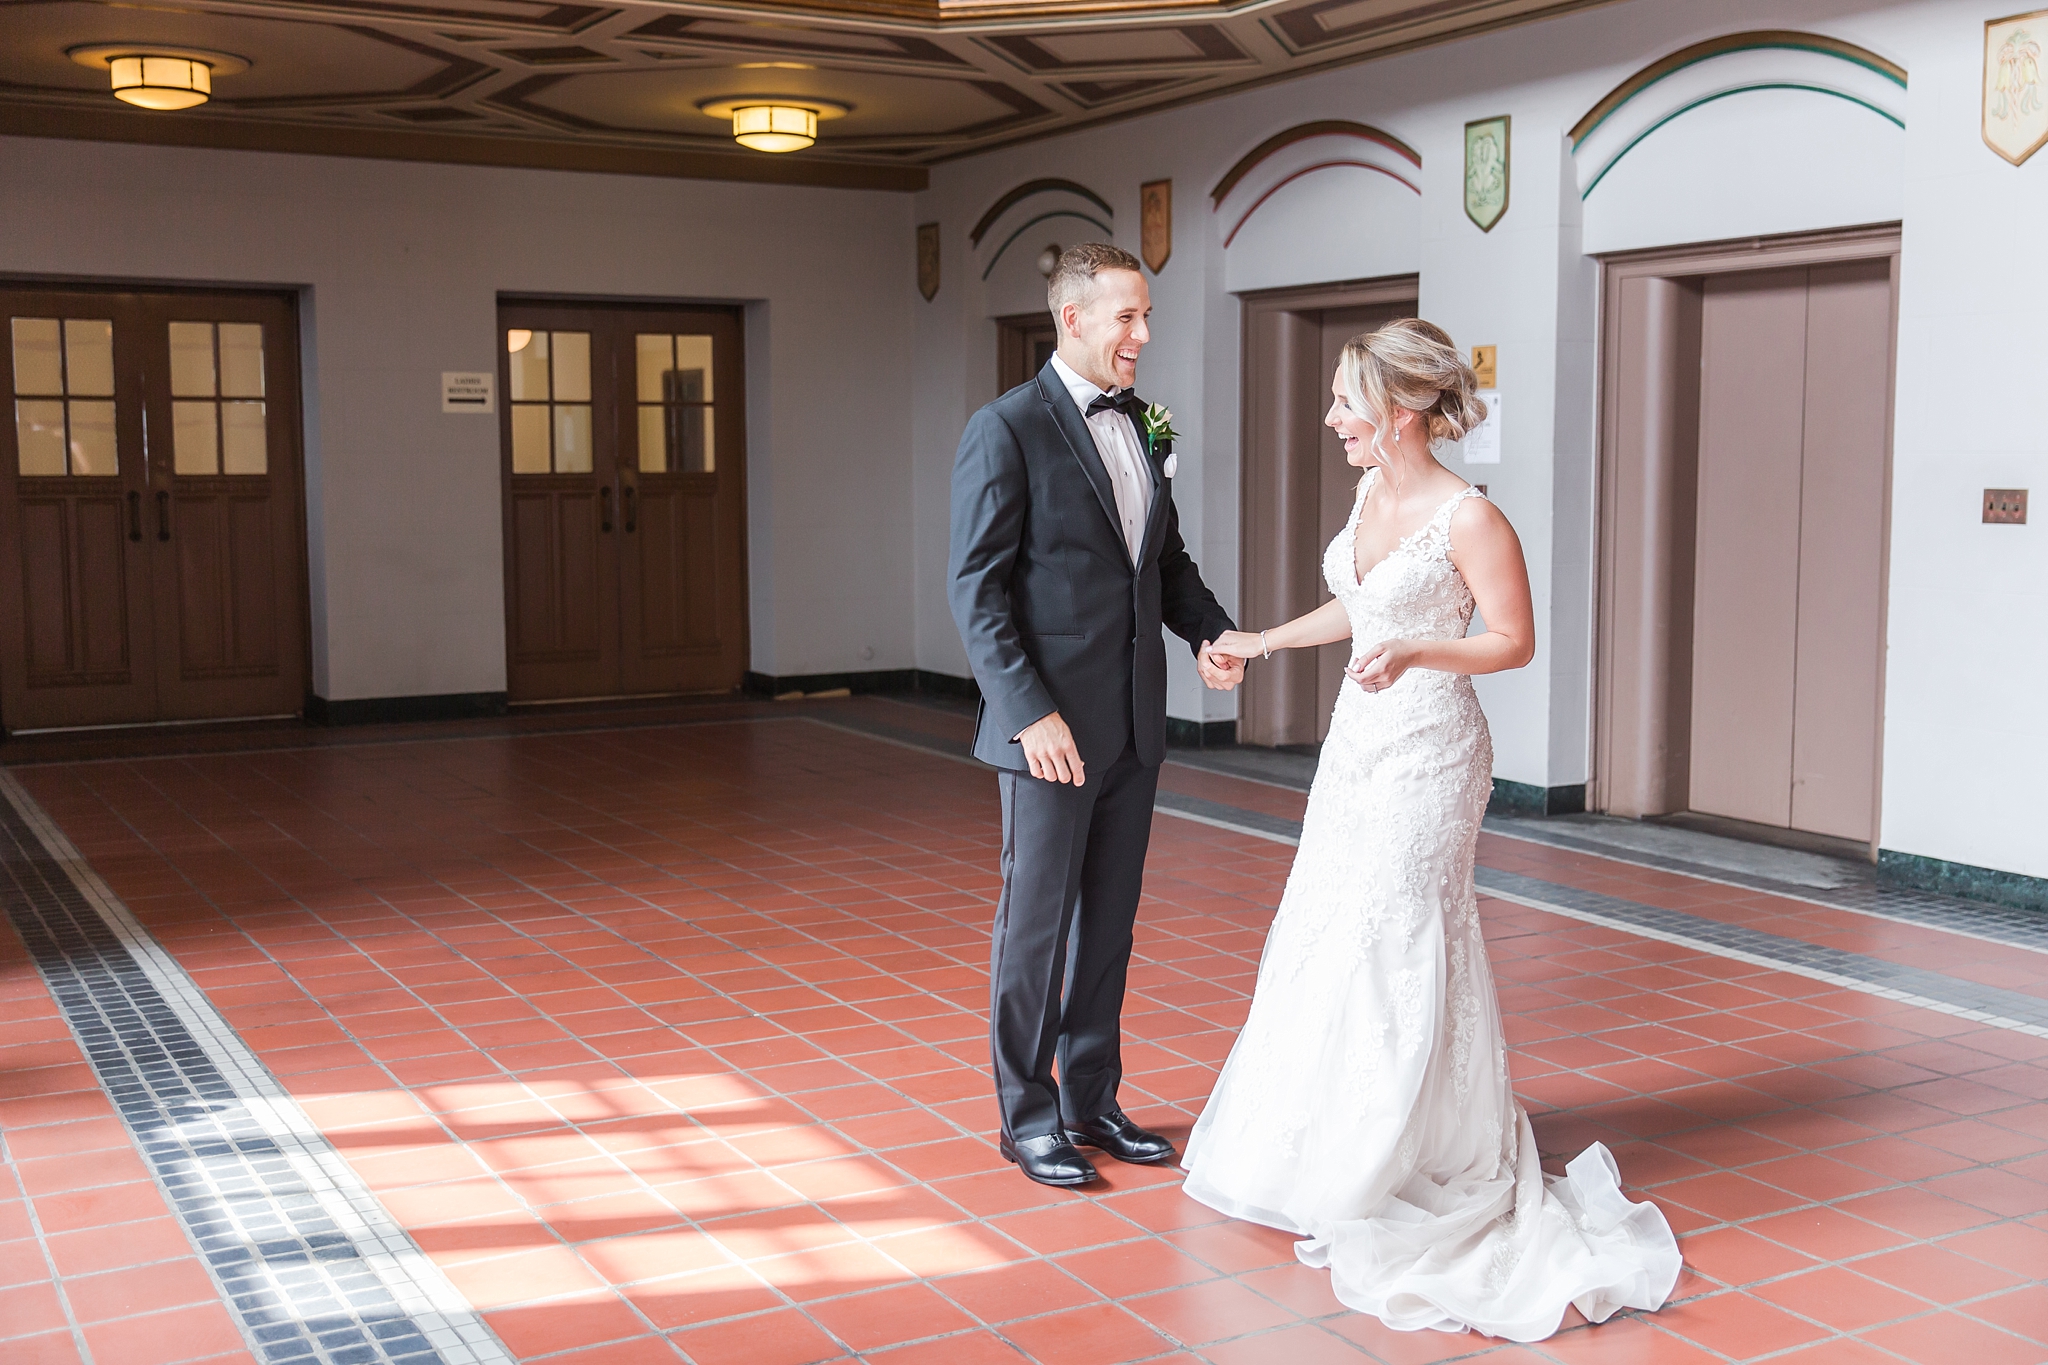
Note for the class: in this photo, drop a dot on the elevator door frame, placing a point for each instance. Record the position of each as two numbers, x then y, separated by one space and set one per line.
1641 695
1266 577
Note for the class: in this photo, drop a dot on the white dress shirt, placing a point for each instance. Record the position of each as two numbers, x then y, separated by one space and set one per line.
1123 455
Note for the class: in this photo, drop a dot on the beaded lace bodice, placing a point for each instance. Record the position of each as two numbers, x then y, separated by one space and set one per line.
1415 593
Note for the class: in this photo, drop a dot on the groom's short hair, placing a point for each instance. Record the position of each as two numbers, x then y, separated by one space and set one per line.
1073 278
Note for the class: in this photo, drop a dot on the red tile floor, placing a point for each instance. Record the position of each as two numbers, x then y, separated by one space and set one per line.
666 1044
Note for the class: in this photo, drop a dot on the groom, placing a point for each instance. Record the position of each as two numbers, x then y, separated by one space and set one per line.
1066 560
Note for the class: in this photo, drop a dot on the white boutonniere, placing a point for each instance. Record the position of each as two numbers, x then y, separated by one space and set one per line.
1160 435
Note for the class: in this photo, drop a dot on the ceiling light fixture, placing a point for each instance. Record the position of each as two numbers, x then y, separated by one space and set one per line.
161 78
773 123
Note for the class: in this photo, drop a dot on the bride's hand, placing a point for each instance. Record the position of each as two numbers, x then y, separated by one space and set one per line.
1381 666
1238 644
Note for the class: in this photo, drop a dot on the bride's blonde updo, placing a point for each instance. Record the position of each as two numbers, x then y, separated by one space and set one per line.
1412 364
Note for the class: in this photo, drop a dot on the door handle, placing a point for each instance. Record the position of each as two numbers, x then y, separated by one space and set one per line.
631 495
604 509
163 516
134 515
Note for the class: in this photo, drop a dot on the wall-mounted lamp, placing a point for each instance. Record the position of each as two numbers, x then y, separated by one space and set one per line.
773 123
1049 260
162 78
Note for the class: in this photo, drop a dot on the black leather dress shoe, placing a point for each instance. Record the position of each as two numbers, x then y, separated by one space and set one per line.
1122 1139
1050 1160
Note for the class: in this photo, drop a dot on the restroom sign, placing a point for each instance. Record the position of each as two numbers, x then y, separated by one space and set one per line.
468 391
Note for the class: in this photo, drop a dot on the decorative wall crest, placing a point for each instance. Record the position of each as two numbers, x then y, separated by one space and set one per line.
1155 223
1486 171
2015 101
928 260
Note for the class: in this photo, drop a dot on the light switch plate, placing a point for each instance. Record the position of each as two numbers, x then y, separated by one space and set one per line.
2005 506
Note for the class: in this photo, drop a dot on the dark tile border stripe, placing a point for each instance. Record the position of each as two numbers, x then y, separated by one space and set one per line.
313 1269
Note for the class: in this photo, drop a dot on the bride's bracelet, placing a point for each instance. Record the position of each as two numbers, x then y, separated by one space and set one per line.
1264 653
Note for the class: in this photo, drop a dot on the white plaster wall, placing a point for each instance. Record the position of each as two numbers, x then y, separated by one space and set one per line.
1969 609
1338 223
400 267
1966 742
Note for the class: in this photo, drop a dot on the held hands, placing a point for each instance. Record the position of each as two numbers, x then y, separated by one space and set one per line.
1381 666
1221 669
1238 644
1049 748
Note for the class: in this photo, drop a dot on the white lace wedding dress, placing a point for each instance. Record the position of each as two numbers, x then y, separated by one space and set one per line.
1365 1106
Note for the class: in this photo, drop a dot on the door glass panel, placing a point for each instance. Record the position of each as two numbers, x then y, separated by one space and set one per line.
241 360
530 439
674 384
52 360
529 351
657 356
192 359
654 438
692 447
39 436
693 356
572 367
194 445
92 438
89 357
572 439
550 399
38 361
243 445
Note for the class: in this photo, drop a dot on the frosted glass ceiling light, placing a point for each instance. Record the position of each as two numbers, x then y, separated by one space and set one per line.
773 123
774 127
161 78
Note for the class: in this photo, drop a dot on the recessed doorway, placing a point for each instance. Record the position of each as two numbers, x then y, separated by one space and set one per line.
1024 344
1297 489
151 509
625 548
1745 483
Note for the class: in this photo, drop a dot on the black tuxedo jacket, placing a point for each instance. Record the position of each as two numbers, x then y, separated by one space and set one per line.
1054 614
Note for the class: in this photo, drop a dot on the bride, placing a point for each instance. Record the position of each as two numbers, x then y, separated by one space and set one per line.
1366 1106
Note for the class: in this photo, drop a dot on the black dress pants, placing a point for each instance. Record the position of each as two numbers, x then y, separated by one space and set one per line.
1073 866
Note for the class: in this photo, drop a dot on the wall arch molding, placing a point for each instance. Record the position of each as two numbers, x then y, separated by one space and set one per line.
1718 68
1020 193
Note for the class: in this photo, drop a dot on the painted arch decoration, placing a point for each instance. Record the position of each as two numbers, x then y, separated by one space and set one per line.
1328 200
1308 149
1731 65
1034 204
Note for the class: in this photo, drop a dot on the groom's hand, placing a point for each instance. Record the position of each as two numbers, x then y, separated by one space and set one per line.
1049 749
1221 671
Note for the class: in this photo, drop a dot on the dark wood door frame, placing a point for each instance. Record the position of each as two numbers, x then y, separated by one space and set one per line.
1017 338
1283 399
1648 452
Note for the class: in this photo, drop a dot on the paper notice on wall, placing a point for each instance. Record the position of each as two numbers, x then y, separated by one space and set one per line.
468 391
1482 443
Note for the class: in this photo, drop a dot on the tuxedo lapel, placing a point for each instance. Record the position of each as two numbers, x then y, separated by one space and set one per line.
1068 419
1155 517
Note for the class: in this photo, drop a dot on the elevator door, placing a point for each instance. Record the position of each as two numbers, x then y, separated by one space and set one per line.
150 502
1789 560
1298 491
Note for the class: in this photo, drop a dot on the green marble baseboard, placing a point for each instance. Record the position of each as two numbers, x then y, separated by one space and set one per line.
2015 889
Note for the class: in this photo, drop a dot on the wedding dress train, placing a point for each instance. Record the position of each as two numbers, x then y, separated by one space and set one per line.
1365 1105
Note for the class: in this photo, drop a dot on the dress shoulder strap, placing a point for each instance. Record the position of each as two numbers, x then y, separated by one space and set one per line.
1439 532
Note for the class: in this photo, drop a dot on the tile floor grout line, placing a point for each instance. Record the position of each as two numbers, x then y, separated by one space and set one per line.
237 1160
35 1224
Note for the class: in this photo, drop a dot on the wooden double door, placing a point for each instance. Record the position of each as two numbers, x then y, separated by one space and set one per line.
625 531
152 546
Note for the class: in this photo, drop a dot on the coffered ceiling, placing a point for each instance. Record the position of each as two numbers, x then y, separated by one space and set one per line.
617 86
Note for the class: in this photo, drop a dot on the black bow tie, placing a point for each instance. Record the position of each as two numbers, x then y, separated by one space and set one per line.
1128 403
